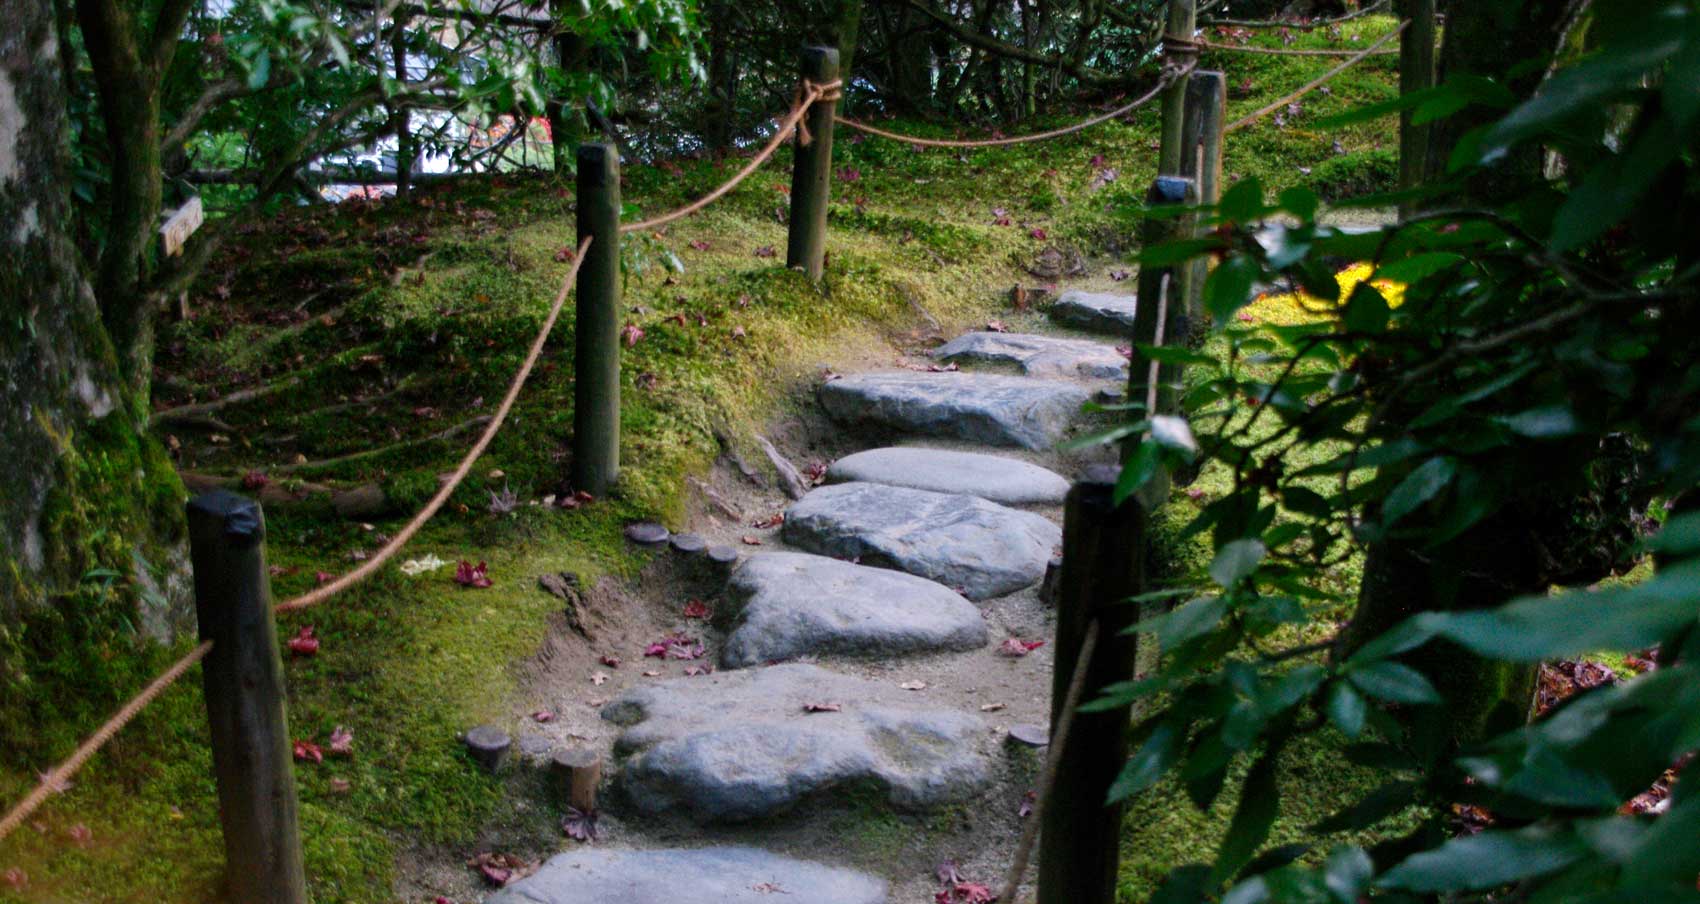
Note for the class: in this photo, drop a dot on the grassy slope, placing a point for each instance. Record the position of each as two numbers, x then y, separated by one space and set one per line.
406 662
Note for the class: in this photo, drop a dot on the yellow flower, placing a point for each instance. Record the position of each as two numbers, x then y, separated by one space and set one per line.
1291 308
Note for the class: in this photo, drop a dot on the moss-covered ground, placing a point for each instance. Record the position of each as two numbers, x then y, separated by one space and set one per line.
399 320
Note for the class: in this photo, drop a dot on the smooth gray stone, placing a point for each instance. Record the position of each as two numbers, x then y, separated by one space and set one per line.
790 604
1038 356
1004 480
1100 313
739 745
719 875
647 533
689 544
979 548
993 409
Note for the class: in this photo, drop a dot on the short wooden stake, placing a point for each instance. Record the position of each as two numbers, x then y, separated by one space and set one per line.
811 172
577 773
1103 566
596 390
1201 161
242 679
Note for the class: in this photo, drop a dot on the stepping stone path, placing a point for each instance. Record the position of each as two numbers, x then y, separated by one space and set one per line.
979 547
1099 313
1038 356
925 528
992 409
790 604
1007 481
726 875
743 744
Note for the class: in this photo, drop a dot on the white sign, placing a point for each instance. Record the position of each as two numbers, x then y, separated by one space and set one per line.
180 225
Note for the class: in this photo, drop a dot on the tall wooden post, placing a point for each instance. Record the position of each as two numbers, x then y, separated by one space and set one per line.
1416 73
1201 161
242 678
1182 23
1161 317
811 172
596 389
1103 565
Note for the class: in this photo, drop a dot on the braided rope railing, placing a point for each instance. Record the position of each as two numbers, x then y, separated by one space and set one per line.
1053 759
1318 82
1287 51
1168 79
807 94
55 779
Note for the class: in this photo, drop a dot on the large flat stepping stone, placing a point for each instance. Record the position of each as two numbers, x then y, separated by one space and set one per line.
1100 313
721 875
992 409
1003 480
743 744
792 604
980 548
1038 356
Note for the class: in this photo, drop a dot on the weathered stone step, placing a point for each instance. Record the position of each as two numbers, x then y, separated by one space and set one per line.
1007 481
719 875
742 744
788 604
994 409
1100 313
980 548
1038 356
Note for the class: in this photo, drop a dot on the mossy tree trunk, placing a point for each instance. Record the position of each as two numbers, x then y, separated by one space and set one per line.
83 491
1547 533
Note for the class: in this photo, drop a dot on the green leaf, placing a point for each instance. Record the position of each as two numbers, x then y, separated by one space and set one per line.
1306 502
1260 800
1347 710
1346 873
1580 622
1228 288
1146 461
1144 768
1172 432
1378 805
1293 687
1243 201
1236 561
1548 422
1367 311
1188 620
1418 487
1407 635
1419 266
1394 682
1486 860
1301 202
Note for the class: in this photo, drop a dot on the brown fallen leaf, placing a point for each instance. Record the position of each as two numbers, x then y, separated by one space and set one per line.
652 674
752 541
823 707
599 679
991 707
913 685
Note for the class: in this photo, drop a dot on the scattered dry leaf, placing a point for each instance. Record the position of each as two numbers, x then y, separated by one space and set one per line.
304 643
342 741
913 685
1016 647
309 752
470 575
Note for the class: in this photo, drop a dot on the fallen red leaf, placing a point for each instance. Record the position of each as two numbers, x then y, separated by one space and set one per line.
324 577
610 662
17 879
342 741
579 825
1015 646
699 244
997 326
565 253
630 334
470 575
309 752
255 480
766 251
81 835
304 643
751 541
771 521
1037 233
697 609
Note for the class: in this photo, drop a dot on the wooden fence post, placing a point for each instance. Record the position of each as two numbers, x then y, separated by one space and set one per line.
1416 73
1161 317
811 171
1182 23
242 677
1201 161
1103 565
596 387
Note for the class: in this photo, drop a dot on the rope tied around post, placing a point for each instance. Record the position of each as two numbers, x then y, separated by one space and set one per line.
1168 78
807 94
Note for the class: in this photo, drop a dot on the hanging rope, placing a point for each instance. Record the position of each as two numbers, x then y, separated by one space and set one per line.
1162 83
807 94
1324 79
57 779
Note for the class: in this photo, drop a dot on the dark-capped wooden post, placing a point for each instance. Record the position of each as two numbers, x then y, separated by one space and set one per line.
1416 73
596 362
1161 317
1102 567
242 677
811 172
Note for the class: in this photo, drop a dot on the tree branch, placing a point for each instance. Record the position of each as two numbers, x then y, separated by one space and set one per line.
167 31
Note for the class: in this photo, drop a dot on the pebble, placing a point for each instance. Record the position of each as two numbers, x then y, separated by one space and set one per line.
647 533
